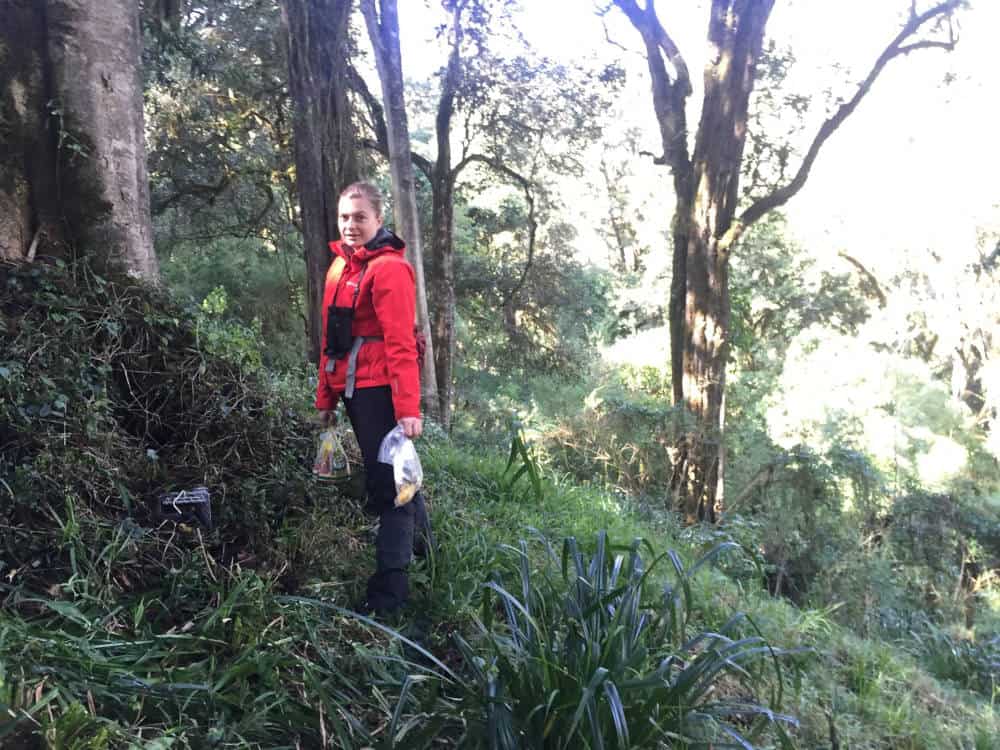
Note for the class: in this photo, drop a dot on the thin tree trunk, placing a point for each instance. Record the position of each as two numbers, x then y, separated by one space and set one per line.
442 236
325 156
73 174
443 283
383 29
614 218
28 205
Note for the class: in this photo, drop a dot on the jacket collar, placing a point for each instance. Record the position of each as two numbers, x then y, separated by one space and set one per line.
384 241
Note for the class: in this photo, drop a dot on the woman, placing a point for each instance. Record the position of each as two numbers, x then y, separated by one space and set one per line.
369 360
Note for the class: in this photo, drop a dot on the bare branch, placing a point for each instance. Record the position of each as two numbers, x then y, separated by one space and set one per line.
609 40
494 164
422 163
527 186
876 288
33 248
669 95
894 49
184 189
658 160
375 110
907 49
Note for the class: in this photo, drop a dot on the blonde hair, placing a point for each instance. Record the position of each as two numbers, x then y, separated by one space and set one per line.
367 191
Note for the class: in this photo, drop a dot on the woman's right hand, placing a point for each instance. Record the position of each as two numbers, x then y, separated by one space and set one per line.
327 417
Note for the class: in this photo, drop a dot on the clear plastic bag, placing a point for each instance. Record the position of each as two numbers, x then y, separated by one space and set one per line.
398 451
331 458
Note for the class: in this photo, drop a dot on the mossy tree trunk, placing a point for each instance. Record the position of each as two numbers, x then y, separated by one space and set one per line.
73 178
325 149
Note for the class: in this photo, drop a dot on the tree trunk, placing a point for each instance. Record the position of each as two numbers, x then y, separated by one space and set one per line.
325 157
443 283
616 206
169 13
384 35
442 236
73 157
736 33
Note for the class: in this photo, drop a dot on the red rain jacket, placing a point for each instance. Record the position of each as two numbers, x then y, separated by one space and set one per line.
385 308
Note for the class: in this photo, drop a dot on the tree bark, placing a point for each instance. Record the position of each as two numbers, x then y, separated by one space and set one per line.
383 29
442 236
73 173
736 33
325 156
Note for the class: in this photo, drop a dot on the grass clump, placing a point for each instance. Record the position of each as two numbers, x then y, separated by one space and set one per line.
245 671
591 659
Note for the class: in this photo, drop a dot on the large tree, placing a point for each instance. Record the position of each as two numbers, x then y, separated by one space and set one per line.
325 154
73 177
383 29
708 223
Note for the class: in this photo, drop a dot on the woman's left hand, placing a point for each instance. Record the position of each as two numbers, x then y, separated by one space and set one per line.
412 426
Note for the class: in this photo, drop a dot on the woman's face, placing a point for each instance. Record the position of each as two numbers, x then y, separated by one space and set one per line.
357 220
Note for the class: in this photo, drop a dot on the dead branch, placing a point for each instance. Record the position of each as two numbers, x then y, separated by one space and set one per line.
33 248
868 276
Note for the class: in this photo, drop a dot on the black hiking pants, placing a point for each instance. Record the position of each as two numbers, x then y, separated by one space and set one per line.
401 531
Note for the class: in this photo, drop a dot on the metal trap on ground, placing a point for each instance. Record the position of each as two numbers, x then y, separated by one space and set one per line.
187 506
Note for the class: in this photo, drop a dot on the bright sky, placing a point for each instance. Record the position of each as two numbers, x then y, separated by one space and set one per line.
914 167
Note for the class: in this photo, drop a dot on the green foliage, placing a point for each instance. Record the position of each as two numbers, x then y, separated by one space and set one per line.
974 665
221 169
108 399
222 678
619 439
249 300
515 318
589 661
75 729
778 292
522 456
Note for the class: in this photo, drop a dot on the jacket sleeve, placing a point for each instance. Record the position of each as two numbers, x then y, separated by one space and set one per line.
394 299
326 398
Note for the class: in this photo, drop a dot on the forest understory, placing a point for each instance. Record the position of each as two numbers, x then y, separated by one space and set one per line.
713 461
539 620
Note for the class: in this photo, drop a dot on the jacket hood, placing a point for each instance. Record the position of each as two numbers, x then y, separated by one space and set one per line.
384 241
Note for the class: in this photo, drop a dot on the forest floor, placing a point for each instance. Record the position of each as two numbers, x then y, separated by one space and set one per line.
122 629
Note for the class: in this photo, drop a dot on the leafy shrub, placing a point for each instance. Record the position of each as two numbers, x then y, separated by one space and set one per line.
812 511
249 295
617 440
969 663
